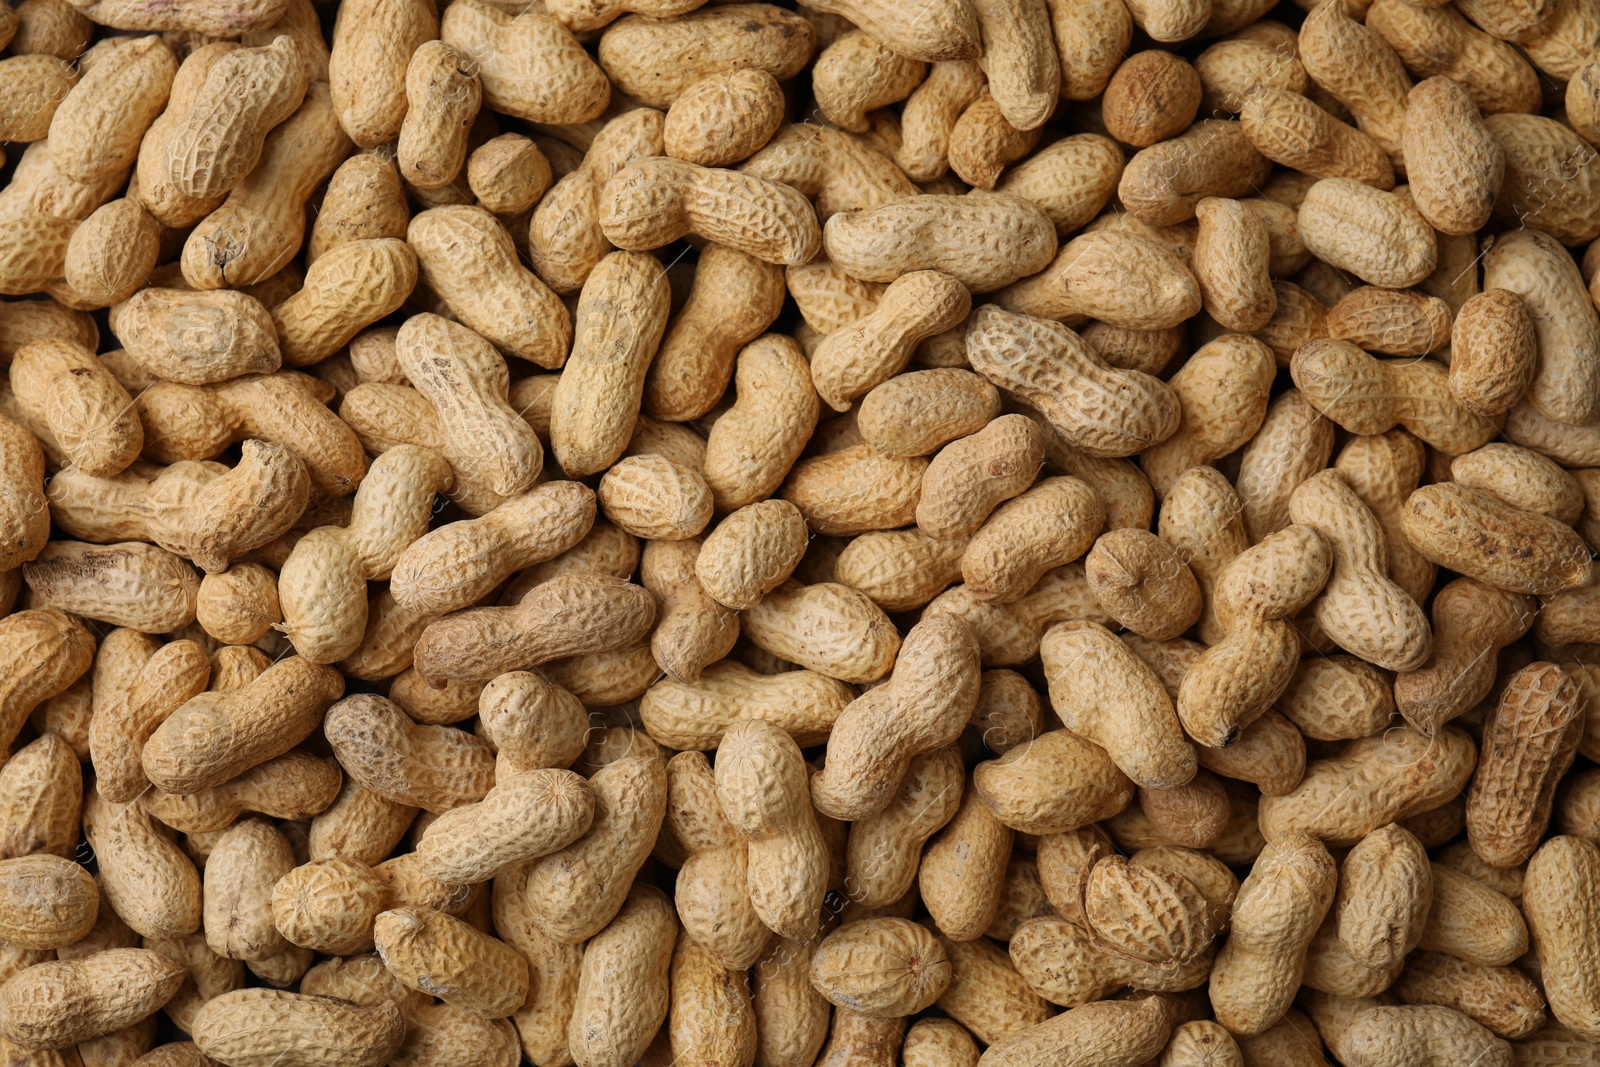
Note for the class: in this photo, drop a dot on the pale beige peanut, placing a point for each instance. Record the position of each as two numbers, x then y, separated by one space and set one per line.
245 94
724 118
144 876
480 643
1471 621
523 817
87 412
372 42
1531 264
963 872
177 671
130 584
1162 184
431 951
565 240
656 60
1275 915
855 489
838 171
756 442
350 287
365 200
466 256
1392 322
827 627
1385 892
1143 583
928 700
574 892
623 993
432 767
246 862
710 894
1439 41
530 64
202 511
1361 71
1095 408
35 86
1360 607
694 630
763 785
685 715
1236 680
261 224
931 113
508 174
99 123
456 565
1531 145
1293 131
111 254
1048 525
44 799
57 1004
1128 279
1384 779
983 240
939 1041
1108 1032
1384 1033
653 202
256 1027
711 1014
1148 912
198 337
1134 720
442 93
868 352
1293 443
49 902
970 477
214 737
1222 392
620 319
1203 517
856 74
1375 235
884 968
1231 264
751 552
983 143
735 296
884 849
322 585
1453 162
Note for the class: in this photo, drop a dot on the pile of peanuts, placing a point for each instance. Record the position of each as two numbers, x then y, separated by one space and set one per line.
1032 533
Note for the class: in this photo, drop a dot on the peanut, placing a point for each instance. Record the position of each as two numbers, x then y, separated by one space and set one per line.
762 783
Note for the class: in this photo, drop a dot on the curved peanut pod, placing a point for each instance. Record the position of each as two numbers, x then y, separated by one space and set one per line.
523 817
924 706
466 256
654 202
574 615
1276 914
1105 693
1098 409
1380 779
1024 787
217 736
